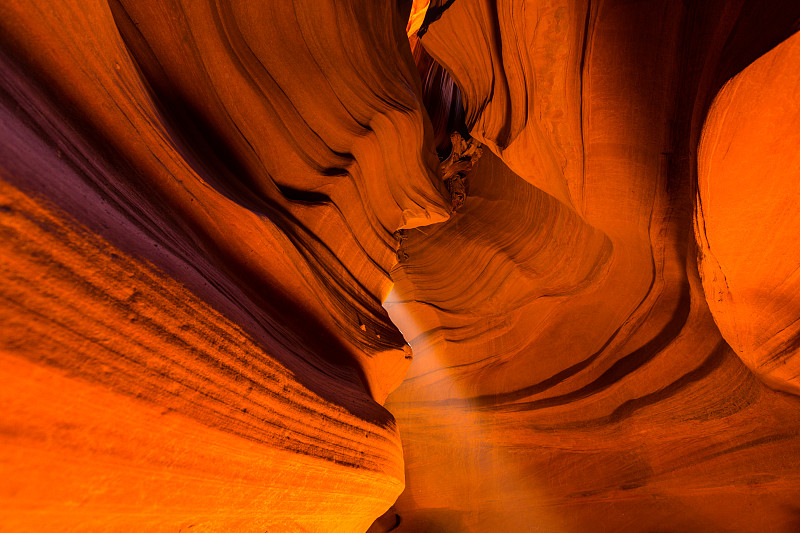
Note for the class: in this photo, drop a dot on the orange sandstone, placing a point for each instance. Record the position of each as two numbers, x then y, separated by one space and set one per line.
218 217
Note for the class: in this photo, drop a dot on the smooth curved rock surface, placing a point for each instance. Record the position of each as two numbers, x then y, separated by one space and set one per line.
199 209
747 220
582 383
220 223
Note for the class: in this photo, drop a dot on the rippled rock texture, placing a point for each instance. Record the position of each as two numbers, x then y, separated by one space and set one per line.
199 203
218 217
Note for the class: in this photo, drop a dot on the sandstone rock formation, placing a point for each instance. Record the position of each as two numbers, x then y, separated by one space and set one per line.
222 223
746 214
567 367
200 203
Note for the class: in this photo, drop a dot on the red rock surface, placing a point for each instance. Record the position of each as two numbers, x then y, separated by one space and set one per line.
747 218
217 219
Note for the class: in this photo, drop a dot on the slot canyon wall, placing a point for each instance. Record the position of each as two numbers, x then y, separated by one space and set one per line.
238 291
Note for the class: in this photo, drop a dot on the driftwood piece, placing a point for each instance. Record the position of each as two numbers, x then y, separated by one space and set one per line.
464 155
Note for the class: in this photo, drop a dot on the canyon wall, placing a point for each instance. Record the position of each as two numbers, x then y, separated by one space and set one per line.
574 369
199 204
237 295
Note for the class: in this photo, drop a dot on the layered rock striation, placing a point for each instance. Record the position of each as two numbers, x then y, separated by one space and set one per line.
198 216
224 223
574 370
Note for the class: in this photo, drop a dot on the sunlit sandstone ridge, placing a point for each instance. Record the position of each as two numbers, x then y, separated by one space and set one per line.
215 216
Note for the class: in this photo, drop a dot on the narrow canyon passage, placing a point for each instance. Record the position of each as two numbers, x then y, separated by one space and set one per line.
447 266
